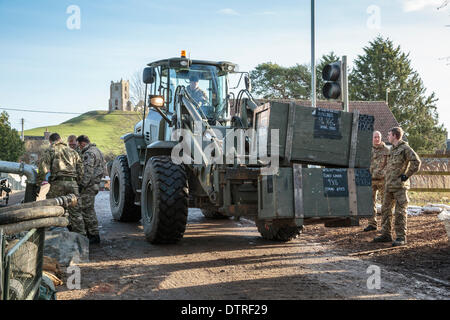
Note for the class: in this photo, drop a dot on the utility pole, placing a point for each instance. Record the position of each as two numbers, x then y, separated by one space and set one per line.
313 54
23 137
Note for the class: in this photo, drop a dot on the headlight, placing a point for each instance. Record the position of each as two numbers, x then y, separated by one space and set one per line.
156 101
207 135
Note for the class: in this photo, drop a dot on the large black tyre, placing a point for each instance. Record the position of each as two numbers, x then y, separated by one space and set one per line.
121 195
164 200
278 230
211 214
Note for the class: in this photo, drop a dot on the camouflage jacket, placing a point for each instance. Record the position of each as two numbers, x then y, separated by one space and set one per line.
60 161
380 154
402 160
94 165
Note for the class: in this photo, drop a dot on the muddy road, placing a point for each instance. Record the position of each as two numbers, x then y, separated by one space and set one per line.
227 259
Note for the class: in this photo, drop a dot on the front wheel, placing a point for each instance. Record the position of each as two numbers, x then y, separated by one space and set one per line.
164 200
278 230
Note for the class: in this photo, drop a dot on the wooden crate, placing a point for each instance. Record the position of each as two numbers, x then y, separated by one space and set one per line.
315 192
318 136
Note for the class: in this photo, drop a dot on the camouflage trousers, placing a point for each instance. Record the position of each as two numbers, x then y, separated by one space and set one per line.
377 188
62 188
90 222
399 199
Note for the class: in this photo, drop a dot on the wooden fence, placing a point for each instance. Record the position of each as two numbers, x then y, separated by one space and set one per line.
434 174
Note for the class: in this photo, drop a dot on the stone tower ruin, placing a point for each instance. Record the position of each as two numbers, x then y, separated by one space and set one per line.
119 96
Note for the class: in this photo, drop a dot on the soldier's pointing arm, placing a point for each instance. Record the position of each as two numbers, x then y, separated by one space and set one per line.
44 166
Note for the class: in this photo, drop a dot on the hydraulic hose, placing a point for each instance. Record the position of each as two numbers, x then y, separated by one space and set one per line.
34 224
67 201
22 214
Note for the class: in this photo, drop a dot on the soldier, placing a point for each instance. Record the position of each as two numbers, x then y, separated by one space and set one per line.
380 154
72 141
94 167
66 169
195 92
402 163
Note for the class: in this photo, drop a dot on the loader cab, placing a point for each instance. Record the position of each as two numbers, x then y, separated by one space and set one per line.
171 74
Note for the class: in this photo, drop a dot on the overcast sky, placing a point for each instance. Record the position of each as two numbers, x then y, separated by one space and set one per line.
51 60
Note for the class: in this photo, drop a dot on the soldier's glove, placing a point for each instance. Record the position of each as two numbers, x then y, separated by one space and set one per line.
403 177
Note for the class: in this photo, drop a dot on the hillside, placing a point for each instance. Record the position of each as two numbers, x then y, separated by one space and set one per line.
103 128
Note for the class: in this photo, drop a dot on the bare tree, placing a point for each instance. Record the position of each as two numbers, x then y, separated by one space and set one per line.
444 4
137 90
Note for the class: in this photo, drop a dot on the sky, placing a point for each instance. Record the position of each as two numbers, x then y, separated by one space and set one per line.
61 56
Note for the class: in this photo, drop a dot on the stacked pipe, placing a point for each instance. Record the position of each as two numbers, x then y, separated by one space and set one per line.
39 214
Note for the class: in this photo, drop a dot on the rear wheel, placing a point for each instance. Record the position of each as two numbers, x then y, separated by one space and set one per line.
278 230
121 195
164 200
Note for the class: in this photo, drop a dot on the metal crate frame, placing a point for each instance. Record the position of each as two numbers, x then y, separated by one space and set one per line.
37 237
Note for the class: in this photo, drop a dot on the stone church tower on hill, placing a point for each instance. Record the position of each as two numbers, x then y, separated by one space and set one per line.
119 96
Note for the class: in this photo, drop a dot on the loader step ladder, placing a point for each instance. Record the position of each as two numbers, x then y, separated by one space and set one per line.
142 154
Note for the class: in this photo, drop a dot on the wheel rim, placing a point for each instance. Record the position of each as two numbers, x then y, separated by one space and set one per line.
116 189
149 201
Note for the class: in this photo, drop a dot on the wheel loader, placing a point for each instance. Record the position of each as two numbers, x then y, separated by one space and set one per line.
281 164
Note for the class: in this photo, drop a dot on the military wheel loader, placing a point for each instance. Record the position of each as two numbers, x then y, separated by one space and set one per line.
231 157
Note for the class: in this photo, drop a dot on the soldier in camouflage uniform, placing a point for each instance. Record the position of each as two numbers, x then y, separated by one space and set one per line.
66 170
72 142
94 168
380 154
403 162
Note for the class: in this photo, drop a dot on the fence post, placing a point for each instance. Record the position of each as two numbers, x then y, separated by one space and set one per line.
2 252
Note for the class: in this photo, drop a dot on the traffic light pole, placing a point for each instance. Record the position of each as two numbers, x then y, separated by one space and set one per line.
313 54
344 83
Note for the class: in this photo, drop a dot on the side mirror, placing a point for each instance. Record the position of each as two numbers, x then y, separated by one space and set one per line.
148 75
248 83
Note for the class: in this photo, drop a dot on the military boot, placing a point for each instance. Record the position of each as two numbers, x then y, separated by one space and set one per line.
399 242
370 228
95 239
383 238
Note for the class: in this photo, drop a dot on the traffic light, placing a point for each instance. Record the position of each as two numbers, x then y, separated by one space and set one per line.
332 74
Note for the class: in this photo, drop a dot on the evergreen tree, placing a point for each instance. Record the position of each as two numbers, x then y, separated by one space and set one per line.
11 147
271 81
383 67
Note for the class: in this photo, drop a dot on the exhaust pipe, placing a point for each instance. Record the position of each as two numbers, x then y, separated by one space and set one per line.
22 169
